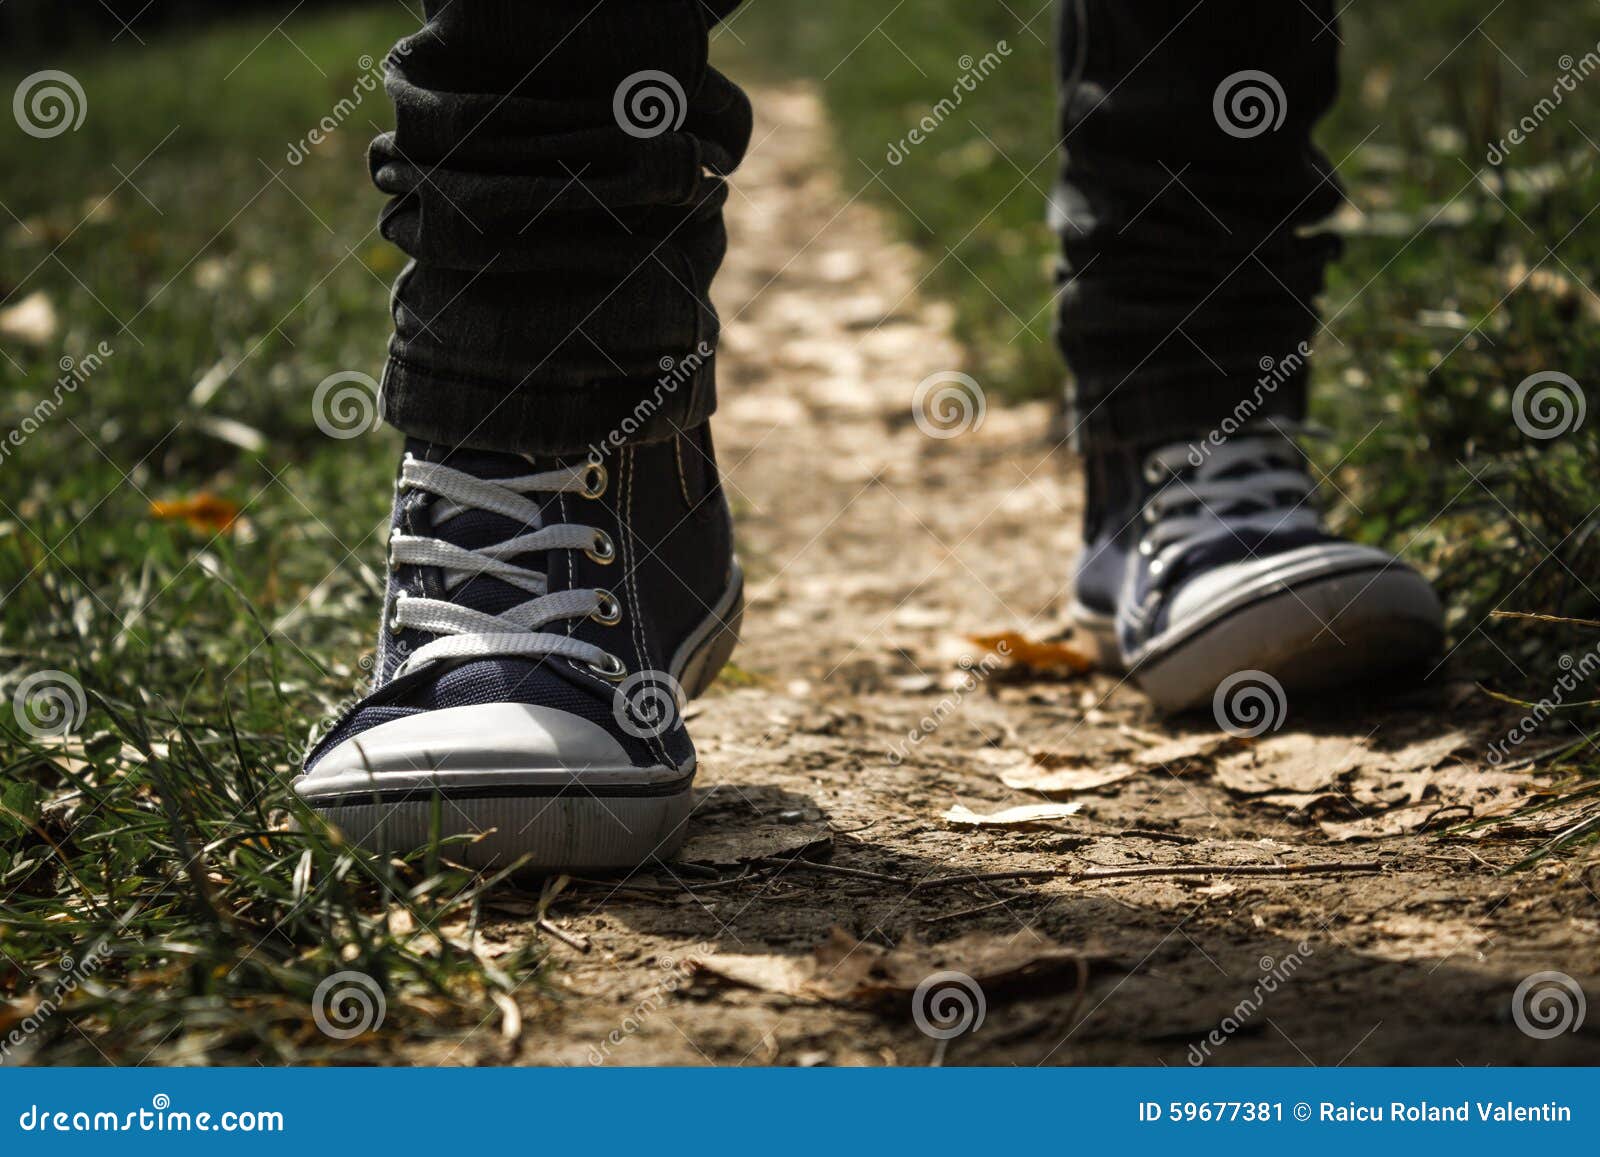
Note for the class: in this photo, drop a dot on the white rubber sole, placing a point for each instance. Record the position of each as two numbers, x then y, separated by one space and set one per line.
588 812
1308 625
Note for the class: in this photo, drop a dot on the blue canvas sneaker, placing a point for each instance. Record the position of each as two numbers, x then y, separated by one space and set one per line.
1204 560
545 621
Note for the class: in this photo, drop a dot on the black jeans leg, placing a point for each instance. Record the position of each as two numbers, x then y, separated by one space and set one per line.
1187 191
556 176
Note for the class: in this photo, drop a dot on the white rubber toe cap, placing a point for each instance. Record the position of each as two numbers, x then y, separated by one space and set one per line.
518 746
1224 587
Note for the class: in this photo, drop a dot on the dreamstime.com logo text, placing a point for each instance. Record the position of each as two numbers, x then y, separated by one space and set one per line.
1576 675
159 1117
74 373
1274 974
973 73
370 80
1274 372
1573 73
676 971
72 974
674 372
974 675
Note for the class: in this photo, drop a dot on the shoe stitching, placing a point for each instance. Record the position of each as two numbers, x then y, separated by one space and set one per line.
683 477
631 586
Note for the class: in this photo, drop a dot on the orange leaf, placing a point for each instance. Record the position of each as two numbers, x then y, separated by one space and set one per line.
205 513
1040 656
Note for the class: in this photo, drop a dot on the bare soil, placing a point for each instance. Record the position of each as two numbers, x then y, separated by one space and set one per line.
792 928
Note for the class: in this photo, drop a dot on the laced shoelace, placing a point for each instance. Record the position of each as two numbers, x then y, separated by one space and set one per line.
1255 482
466 633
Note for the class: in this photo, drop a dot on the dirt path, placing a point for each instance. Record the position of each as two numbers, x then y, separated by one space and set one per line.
873 550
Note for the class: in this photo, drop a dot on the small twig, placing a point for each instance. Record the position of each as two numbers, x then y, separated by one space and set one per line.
1230 870
1445 809
1001 903
644 887
985 877
743 877
627 886
547 896
1165 837
833 869
566 938
852 831
1541 618
683 867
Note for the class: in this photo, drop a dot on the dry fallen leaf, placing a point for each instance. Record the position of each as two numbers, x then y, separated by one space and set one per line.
1035 777
758 842
1179 755
1026 815
32 321
1057 773
1034 654
1292 762
842 970
1426 754
204 512
1300 801
1399 822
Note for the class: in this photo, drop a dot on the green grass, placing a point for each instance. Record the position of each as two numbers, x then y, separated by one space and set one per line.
972 196
158 839
1431 322
159 835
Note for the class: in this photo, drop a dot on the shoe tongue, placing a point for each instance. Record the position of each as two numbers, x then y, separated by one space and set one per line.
479 463
474 529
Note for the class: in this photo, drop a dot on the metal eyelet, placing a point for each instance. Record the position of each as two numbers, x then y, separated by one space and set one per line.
394 617
611 668
607 611
604 551
594 480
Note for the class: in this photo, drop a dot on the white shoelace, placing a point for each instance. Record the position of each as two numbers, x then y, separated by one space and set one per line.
466 633
1253 482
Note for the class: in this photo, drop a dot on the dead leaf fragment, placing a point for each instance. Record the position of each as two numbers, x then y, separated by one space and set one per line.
1035 777
1426 754
758 842
1026 815
843 970
1293 762
32 321
1302 801
1399 822
204 512
1036 655
1182 754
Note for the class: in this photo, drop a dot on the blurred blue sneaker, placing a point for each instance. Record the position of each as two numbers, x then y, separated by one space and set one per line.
546 620
1205 560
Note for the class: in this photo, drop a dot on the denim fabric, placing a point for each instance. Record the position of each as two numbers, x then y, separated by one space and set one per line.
557 291
556 257
1189 262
